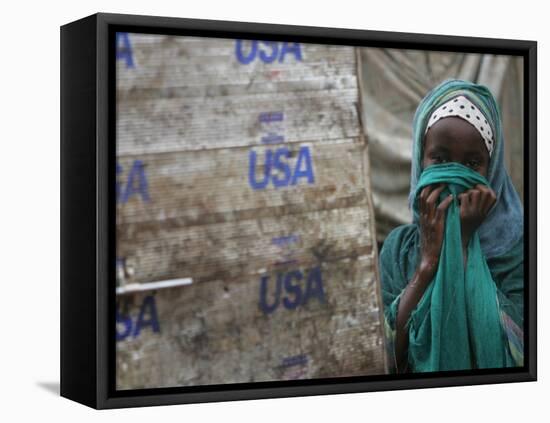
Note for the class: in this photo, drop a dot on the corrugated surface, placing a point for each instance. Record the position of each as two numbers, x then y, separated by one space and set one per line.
246 173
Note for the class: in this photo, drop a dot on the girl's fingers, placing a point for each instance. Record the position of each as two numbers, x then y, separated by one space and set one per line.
425 192
444 205
426 206
434 195
431 202
482 188
464 203
463 199
488 197
423 195
475 199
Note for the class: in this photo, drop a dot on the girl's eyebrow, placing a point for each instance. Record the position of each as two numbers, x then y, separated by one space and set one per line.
475 150
438 149
475 156
473 153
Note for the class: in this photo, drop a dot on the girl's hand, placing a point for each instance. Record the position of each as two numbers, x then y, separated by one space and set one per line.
474 207
432 227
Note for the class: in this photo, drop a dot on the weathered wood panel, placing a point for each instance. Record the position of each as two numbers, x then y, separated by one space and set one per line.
209 252
246 176
166 125
209 336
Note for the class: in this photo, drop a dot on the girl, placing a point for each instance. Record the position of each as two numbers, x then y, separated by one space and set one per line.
452 281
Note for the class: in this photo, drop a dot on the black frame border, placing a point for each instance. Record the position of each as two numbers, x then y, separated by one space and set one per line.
94 384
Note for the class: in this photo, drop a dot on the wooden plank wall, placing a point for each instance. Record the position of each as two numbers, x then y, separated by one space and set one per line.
241 170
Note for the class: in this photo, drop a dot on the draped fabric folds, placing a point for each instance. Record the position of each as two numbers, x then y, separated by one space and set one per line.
470 316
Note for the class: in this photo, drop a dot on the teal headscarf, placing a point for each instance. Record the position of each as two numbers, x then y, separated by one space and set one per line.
469 317
503 227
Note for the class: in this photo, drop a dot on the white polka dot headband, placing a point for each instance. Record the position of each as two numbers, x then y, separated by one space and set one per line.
462 107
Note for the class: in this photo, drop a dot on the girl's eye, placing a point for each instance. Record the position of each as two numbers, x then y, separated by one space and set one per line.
439 159
474 164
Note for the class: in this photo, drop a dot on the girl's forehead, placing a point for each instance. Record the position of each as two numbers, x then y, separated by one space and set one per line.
454 130
460 105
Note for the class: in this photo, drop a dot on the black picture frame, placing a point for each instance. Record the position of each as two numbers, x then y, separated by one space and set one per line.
88 209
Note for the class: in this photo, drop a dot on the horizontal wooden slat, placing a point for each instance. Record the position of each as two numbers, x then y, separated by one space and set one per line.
162 125
192 186
196 61
237 249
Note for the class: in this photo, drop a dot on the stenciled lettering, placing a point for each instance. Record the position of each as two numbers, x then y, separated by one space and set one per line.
295 293
246 51
146 318
136 183
278 170
124 49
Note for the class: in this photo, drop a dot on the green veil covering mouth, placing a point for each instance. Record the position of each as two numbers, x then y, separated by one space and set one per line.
458 298
471 315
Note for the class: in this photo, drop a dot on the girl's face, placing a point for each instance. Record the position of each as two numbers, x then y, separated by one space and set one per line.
452 139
